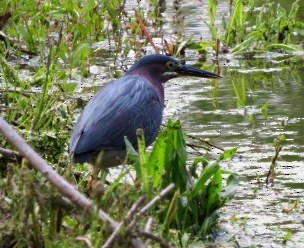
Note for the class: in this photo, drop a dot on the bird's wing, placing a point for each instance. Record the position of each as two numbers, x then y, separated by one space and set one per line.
118 110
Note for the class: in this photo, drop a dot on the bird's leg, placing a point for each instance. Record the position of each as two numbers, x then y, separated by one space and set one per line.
97 165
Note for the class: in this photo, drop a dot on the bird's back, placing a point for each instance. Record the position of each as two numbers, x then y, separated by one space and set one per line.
117 110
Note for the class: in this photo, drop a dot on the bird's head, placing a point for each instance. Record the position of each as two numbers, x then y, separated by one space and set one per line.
160 68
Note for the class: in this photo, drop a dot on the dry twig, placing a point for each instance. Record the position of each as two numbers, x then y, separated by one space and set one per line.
13 155
157 198
148 228
204 141
136 205
149 224
163 243
132 215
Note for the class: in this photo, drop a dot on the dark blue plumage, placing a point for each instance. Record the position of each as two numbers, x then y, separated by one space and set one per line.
134 101
117 110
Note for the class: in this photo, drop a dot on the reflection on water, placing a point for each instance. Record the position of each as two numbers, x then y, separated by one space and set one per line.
229 113
229 126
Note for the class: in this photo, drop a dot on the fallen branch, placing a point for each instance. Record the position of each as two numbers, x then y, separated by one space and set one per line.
65 188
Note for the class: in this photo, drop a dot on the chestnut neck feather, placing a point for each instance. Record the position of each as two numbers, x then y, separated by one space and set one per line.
155 76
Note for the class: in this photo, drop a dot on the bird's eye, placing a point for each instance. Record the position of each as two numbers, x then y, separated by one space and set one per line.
170 65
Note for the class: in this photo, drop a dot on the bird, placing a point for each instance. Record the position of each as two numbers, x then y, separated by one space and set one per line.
134 101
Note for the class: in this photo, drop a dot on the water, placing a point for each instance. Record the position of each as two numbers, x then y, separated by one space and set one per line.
258 216
263 208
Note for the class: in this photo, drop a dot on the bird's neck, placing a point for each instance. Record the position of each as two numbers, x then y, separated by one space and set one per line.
157 84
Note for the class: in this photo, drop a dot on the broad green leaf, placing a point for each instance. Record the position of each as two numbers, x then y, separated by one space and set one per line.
207 173
195 164
214 188
157 159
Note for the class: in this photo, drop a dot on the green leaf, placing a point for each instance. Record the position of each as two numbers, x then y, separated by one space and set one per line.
207 173
215 187
231 187
264 109
228 154
171 211
158 159
195 164
80 55
286 47
69 87
129 148
143 161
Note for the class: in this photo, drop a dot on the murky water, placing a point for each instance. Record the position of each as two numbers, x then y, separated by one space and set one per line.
258 216
260 212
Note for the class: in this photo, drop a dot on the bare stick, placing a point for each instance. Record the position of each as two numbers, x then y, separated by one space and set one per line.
149 224
136 205
157 198
86 240
65 188
204 141
9 153
163 243
270 175
148 228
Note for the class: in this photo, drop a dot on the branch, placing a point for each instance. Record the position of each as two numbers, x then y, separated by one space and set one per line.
10 154
65 188
157 198
136 205
163 243
148 228
204 141
149 225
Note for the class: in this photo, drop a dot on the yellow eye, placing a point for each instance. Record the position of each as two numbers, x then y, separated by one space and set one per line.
170 65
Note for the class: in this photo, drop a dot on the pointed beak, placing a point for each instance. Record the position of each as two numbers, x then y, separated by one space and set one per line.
183 70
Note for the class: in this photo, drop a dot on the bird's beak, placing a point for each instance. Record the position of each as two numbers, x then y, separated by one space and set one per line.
183 70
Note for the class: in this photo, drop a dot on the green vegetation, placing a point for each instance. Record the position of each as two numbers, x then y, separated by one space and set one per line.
200 192
252 30
271 28
46 51
191 210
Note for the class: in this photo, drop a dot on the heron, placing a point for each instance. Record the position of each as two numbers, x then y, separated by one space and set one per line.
134 101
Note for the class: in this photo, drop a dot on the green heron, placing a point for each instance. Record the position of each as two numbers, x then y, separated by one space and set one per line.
122 106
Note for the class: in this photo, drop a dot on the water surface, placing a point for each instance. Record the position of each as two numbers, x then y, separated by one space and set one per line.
259 215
